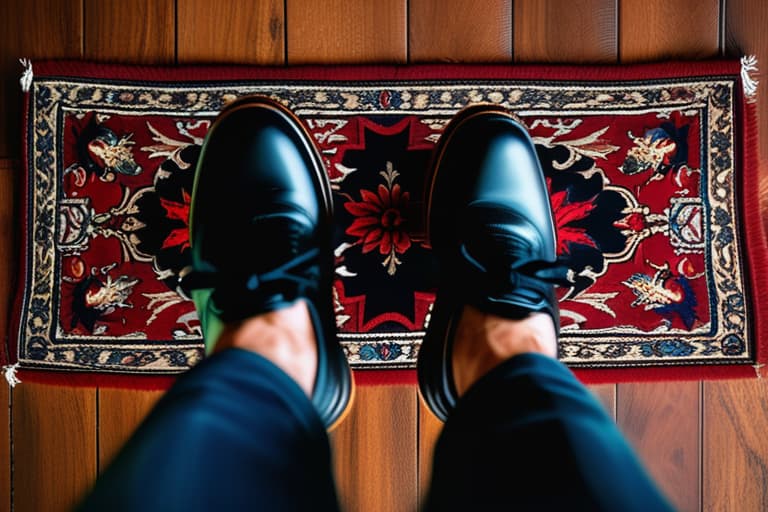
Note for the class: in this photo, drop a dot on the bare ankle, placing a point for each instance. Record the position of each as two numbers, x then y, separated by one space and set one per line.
286 337
483 341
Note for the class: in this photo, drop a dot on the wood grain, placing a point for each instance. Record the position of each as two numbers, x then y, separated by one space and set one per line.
8 255
338 31
31 29
120 412
606 395
735 458
375 450
8 241
661 420
139 31
459 31
5 447
660 29
746 34
573 31
54 446
239 31
429 430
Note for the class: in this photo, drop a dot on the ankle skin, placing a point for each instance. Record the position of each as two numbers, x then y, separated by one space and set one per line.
284 336
483 341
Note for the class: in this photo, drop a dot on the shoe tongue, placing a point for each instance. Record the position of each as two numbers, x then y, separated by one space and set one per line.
505 242
279 235
257 279
501 265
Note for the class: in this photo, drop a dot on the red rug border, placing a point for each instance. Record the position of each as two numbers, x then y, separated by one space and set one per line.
400 377
385 72
754 241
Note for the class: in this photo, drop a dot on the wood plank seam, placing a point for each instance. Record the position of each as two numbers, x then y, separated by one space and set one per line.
11 457
83 19
175 45
721 28
408 61
618 34
512 48
701 446
98 432
285 32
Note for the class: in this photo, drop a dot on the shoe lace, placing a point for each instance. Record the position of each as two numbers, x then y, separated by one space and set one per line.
556 273
286 270
301 270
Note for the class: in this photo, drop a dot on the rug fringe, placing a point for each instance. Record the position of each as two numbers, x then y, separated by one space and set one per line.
26 77
10 374
748 72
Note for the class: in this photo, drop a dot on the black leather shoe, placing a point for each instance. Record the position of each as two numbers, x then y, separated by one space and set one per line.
489 223
261 234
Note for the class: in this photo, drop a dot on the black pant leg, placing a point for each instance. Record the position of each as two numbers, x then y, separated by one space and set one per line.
530 436
234 433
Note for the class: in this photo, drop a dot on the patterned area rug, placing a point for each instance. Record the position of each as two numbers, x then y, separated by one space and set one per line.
650 169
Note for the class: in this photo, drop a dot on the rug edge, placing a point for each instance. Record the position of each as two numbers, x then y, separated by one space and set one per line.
366 72
754 232
757 251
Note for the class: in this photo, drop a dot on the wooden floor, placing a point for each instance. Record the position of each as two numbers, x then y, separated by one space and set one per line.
705 442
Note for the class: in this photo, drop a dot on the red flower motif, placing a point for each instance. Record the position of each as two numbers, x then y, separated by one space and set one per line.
178 211
379 221
566 212
633 221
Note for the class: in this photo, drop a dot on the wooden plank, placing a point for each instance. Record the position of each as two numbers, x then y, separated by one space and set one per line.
660 29
662 421
375 450
239 31
459 31
54 445
735 458
574 31
5 447
7 271
606 395
32 29
745 34
120 412
140 31
429 431
8 238
338 31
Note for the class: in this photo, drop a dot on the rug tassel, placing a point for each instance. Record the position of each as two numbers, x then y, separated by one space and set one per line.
26 77
10 374
748 70
759 370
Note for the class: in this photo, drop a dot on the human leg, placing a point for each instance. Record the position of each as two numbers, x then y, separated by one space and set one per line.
521 432
246 428
527 435
234 433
